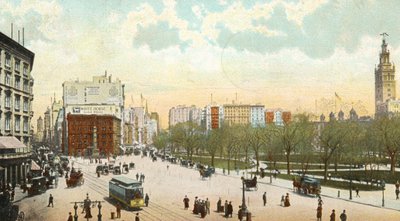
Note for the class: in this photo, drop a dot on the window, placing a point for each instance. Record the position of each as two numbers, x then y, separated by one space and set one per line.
26 105
7 79
8 61
8 101
26 69
25 124
7 122
17 104
17 82
17 123
17 65
26 86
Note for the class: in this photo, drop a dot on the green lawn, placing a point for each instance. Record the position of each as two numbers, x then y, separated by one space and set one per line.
362 175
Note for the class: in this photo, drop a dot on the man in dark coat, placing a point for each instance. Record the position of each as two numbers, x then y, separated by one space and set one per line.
137 217
230 209
265 198
319 213
186 202
70 218
333 215
50 201
146 200
343 216
118 210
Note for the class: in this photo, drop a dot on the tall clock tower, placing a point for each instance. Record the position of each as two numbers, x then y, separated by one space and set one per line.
385 83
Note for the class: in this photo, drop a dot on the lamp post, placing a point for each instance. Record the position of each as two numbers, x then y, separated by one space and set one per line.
243 209
383 192
99 215
76 214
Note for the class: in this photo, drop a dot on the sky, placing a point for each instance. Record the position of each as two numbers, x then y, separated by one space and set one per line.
290 54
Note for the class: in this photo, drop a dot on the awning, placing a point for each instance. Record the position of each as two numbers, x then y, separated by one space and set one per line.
8 142
35 166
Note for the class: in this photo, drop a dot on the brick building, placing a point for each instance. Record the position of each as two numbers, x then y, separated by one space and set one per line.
89 133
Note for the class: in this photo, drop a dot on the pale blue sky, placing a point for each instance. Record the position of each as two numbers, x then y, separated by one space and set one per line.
279 53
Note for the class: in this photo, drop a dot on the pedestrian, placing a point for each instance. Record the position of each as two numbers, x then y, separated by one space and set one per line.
397 194
137 217
50 201
230 209
264 197
146 200
319 213
219 205
167 167
343 216
70 217
137 176
333 215
357 191
208 206
143 178
223 171
320 202
282 200
118 210
226 208
186 202
287 201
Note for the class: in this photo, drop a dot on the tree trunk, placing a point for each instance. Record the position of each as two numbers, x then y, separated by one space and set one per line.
325 169
229 164
288 163
258 162
392 163
212 160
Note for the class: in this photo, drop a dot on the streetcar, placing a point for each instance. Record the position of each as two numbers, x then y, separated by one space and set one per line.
127 191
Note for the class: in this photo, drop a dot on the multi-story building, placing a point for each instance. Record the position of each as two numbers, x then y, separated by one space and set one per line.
16 97
47 127
237 114
181 114
385 81
156 117
277 116
39 130
101 96
90 132
257 115
213 116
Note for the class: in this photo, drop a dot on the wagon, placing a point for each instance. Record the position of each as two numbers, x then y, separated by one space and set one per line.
307 185
206 172
131 165
37 186
125 168
76 178
251 183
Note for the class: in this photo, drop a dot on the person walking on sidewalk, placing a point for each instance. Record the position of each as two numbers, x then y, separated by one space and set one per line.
264 197
70 217
319 213
50 201
146 200
137 217
333 215
343 216
357 191
118 210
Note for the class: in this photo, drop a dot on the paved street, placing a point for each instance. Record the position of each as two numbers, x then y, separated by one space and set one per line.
167 187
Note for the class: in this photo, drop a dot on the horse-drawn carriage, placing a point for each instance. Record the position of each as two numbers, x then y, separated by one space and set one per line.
251 183
38 186
307 185
75 178
206 172
8 211
125 168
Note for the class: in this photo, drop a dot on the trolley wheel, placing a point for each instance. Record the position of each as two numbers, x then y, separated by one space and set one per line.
21 216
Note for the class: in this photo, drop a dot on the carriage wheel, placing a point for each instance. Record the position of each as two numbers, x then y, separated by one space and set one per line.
21 216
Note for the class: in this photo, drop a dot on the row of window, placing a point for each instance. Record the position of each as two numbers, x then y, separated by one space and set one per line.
17 102
17 63
17 123
88 129
80 136
17 82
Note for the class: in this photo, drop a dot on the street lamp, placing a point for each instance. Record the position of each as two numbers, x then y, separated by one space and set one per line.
243 209
351 179
383 192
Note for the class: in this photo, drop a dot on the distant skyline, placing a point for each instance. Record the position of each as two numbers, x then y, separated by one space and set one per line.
284 54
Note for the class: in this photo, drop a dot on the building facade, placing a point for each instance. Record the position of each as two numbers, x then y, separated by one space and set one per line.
237 114
257 115
101 96
385 81
16 96
182 113
89 132
212 116
39 130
